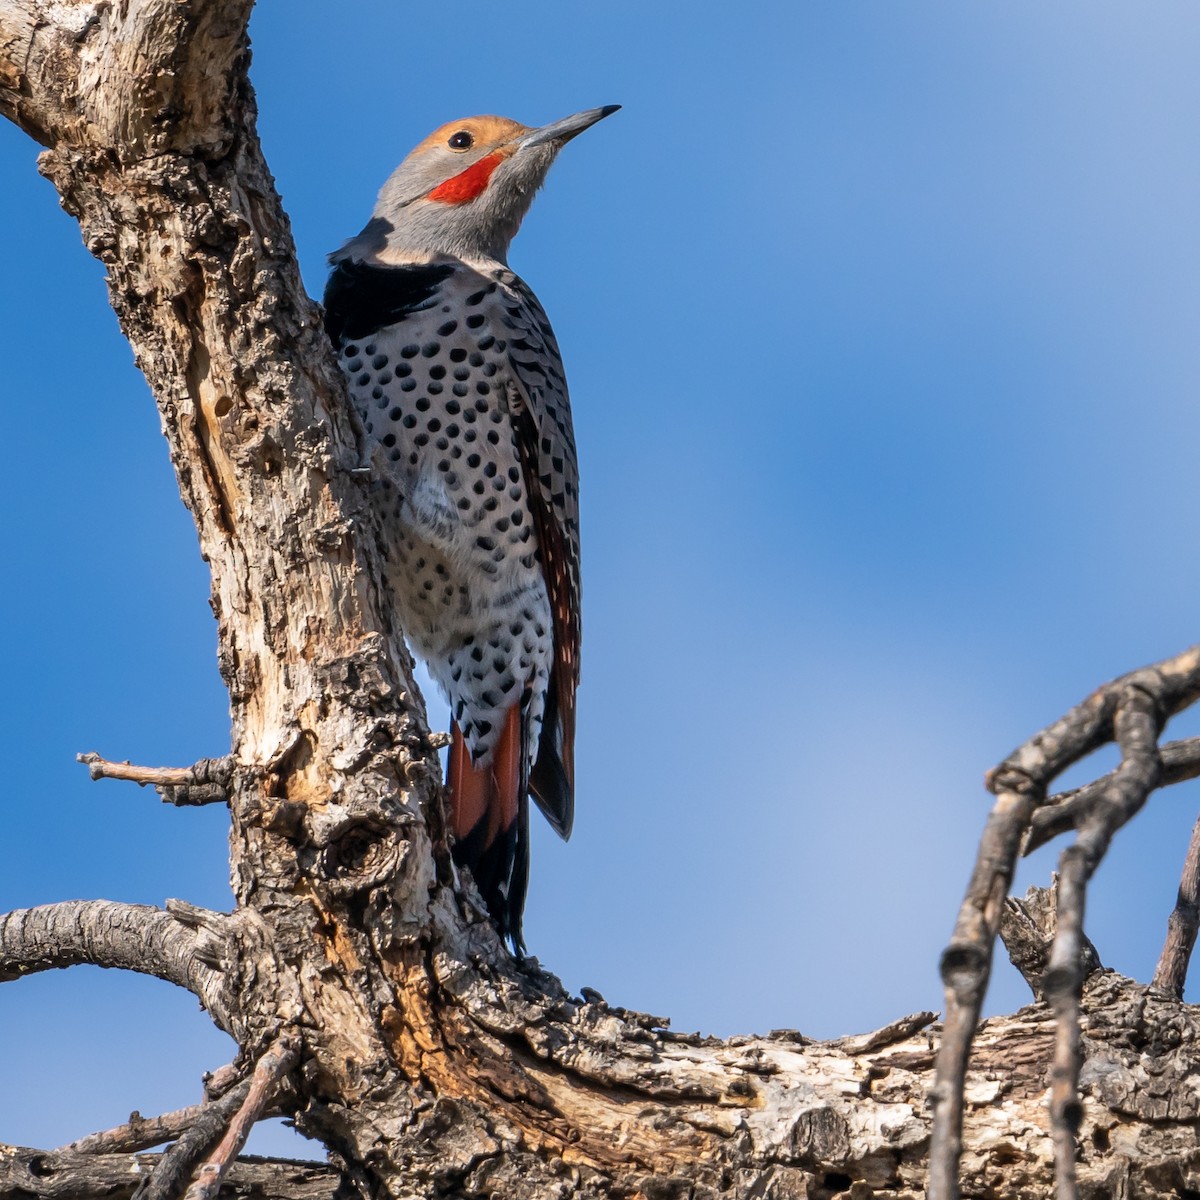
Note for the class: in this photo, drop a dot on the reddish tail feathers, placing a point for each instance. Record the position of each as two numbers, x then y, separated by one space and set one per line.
489 817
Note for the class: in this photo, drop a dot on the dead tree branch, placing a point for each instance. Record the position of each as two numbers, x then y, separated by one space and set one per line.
1131 711
176 1165
69 1175
131 937
204 782
262 1088
1171 973
138 1133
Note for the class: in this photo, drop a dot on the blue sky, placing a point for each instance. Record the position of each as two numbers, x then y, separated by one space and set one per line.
880 322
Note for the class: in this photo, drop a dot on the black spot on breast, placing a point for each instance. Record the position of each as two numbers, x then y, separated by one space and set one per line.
437 372
460 389
446 329
475 320
430 349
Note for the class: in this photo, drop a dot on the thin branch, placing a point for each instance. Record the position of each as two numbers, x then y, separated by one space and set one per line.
176 1166
138 1133
1020 784
269 1072
68 1175
1062 812
1171 973
104 933
966 967
204 782
1137 725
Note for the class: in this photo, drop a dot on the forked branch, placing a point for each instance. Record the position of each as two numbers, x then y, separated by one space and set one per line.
1131 711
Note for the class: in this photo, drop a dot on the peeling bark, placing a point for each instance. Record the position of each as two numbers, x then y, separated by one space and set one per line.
426 1059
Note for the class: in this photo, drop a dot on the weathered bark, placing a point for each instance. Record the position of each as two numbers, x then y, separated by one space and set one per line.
427 1060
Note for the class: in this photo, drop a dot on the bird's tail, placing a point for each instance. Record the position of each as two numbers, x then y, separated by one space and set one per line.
489 817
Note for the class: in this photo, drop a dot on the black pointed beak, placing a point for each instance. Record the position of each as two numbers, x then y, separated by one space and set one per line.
563 131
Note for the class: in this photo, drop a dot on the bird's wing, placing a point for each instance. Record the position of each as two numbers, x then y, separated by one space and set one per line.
546 442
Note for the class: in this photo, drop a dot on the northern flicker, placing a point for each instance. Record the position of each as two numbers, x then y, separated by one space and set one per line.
454 368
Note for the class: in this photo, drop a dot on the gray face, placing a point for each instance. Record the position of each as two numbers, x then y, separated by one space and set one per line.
465 189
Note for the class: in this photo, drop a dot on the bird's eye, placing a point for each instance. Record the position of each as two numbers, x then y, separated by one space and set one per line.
461 140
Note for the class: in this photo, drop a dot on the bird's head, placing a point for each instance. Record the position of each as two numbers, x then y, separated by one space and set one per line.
465 189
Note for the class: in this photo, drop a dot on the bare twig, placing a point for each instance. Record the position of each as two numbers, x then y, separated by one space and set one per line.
69 1175
269 1071
966 966
138 1133
131 937
204 782
1020 784
175 1167
1061 812
1137 724
1171 973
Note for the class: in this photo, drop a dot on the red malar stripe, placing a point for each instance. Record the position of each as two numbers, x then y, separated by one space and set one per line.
466 186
